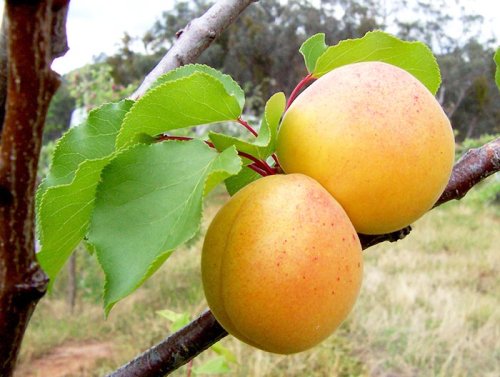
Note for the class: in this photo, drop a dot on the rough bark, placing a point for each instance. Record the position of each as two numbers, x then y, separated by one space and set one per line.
3 69
187 343
30 86
195 38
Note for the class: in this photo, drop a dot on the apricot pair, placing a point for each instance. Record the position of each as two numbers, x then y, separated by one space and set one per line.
367 149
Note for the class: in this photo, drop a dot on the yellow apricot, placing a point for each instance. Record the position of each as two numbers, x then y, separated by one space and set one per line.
375 138
281 264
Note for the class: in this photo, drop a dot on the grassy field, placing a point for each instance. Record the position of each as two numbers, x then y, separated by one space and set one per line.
429 306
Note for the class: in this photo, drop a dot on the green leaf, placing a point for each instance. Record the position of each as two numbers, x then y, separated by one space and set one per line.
497 62
179 320
94 139
217 365
64 216
66 197
223 351
229 84
148 203
188 101
312 49
414 57
240 180
265 144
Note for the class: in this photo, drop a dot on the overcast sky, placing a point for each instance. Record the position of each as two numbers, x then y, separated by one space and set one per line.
96 26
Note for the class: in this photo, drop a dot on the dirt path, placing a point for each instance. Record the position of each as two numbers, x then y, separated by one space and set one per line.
67 360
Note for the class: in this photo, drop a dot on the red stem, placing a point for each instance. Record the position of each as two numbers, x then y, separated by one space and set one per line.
258 170
247 126
297 89
189 367
261 164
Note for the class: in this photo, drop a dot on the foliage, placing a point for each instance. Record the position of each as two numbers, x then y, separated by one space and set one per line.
121 184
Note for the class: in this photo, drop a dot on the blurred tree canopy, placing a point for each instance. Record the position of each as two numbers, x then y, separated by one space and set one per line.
260 50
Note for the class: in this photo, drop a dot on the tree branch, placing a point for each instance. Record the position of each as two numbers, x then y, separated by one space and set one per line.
474 166
30 85
195 38
176 350
187 343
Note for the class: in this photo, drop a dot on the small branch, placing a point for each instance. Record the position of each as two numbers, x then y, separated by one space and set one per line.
176 350
474 166
195 38
259 166
298 88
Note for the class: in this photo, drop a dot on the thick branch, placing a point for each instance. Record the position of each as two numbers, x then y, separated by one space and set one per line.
195 38
187 343
30 86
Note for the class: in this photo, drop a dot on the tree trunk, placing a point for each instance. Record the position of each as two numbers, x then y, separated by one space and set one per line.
30 86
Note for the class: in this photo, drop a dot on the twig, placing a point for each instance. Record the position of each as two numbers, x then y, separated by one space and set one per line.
204 331
195 38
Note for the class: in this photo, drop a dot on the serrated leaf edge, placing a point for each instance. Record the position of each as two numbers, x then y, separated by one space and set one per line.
153 267
374 32
229 77
133 140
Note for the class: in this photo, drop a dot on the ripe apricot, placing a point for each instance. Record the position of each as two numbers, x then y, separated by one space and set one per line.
281 264
375 138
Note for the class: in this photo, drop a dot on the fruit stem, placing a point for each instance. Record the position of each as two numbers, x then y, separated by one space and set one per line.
259 166
297 89
258 170
247 126
260 163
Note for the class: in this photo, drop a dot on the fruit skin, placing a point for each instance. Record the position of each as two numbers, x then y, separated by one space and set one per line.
281 264
375 138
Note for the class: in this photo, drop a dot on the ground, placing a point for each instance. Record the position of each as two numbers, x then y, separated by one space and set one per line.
67 360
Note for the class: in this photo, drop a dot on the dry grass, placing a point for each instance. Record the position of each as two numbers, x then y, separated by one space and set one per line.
429 306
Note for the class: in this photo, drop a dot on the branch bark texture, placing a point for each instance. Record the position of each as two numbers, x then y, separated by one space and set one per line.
187 343
195 38
30 49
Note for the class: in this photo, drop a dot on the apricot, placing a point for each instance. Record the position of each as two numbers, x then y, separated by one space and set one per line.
375 138
281 264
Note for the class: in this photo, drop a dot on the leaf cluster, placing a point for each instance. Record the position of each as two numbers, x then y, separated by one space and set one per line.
134 193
